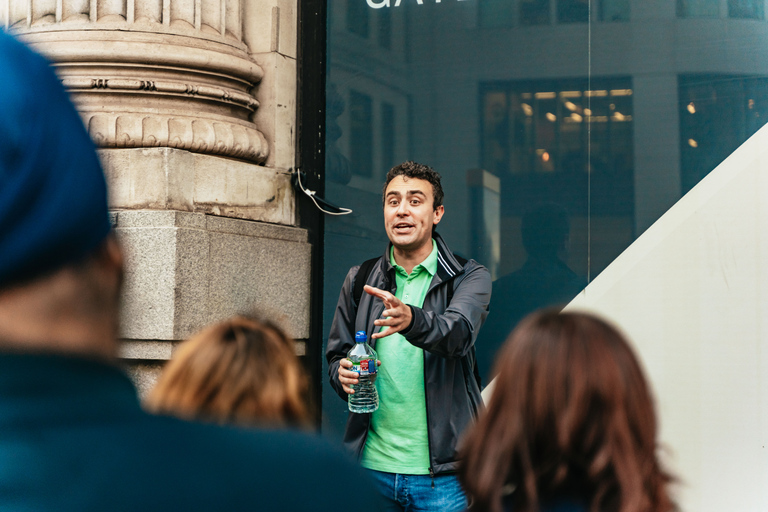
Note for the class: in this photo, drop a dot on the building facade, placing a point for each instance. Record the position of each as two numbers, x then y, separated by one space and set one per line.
606 153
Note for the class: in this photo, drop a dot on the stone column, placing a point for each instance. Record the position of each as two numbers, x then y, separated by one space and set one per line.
192 106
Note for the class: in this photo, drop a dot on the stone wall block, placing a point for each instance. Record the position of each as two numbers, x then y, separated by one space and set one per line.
186 270
148 299
166 178
266 274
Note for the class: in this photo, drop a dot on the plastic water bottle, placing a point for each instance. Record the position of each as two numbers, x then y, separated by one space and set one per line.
363 357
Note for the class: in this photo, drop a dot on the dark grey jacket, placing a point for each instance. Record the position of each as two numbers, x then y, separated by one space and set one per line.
445 331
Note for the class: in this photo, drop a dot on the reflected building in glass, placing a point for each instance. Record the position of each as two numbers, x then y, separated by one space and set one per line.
606 111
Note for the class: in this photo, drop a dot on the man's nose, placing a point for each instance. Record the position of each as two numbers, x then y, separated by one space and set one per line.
402 208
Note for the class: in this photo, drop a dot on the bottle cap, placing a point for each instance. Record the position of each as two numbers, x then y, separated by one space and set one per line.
360 337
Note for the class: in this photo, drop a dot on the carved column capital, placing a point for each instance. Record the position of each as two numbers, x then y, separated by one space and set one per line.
149 73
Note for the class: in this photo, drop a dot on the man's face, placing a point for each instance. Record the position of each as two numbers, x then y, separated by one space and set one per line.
409 214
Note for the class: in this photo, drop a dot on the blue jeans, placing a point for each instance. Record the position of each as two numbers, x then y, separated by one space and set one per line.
420 493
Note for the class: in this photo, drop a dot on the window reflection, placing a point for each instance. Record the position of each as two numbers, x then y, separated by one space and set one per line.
536 137
534 12
496 13
614 10
361 133
747 9
358 18
572 11
698 8
718 113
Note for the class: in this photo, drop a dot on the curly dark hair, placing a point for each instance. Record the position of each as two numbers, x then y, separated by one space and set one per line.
412 169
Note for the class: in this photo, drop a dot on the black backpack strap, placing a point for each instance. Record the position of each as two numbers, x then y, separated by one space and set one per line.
361 279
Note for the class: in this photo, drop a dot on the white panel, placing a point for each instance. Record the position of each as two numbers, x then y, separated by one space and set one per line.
692 294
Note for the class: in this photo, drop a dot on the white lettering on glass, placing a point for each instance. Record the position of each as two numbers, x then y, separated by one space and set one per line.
387 3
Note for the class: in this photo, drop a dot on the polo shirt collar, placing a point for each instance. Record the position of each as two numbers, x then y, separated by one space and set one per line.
429 264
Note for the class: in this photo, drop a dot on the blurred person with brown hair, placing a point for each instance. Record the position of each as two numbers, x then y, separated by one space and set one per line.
240 371
570 425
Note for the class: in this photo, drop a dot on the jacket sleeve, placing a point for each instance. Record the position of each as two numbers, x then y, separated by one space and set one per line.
453 333
341 338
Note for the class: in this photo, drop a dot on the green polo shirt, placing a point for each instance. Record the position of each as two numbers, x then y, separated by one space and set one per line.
397 440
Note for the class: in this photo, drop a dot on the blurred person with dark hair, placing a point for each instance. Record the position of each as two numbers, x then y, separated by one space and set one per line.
570 425
544 280
240 371
72 433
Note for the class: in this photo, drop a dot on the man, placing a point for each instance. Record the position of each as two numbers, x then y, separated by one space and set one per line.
72 434
422 309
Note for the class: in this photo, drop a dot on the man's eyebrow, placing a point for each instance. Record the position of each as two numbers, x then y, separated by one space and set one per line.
416 192
393 193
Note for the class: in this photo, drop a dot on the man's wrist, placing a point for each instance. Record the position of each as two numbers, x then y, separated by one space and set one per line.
413 317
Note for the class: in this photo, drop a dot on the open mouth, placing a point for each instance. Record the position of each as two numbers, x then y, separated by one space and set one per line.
403 227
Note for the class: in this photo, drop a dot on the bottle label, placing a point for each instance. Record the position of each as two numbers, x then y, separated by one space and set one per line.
364 367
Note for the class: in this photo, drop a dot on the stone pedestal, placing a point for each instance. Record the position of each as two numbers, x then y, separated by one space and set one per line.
185 270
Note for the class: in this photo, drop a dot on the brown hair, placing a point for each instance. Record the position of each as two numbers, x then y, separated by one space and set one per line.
242 371
419 171
571 416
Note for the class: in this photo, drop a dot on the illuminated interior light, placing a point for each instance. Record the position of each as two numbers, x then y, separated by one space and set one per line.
621 92
618 116
552 117
595 93
527 109
691 108
545 95
612 106
587 111
570 94
693 143
570 106
751 104
545 156
576 117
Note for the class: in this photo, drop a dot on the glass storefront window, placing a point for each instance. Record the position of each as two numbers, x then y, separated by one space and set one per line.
560 137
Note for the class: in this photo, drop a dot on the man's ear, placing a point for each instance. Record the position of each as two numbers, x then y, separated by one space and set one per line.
439 211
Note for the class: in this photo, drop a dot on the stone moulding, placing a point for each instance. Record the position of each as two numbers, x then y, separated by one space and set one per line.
137 88
189 133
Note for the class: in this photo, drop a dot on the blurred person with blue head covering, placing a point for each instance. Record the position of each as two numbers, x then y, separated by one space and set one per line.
72 433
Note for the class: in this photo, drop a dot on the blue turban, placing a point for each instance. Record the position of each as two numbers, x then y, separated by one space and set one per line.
53 196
